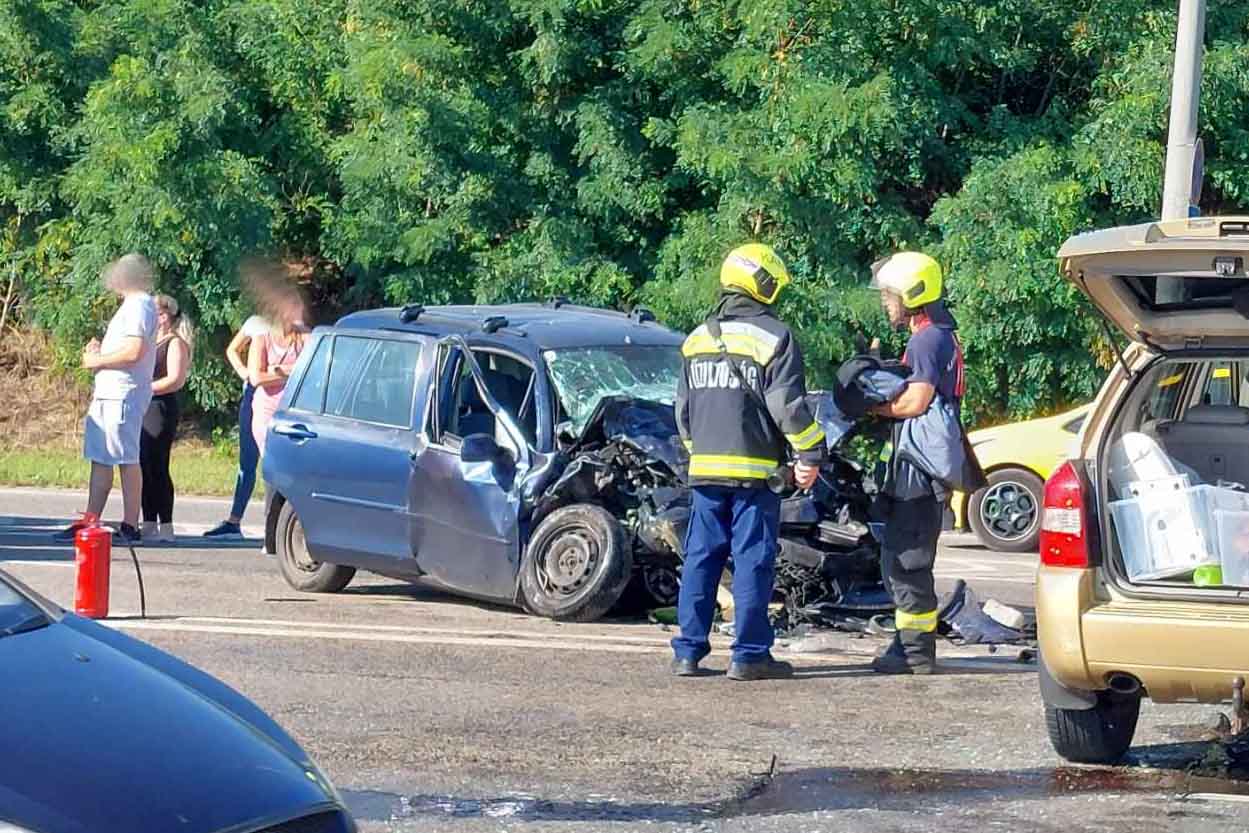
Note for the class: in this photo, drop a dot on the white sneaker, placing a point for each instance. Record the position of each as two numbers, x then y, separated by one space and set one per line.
149 531
166 535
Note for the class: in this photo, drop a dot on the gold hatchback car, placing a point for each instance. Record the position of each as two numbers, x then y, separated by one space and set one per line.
1143 585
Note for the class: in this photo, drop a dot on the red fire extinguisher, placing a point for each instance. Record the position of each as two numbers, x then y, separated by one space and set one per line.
93 553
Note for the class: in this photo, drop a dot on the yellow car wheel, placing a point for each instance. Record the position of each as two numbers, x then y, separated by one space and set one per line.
1006 514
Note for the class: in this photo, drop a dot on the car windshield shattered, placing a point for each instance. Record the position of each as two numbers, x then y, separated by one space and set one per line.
584 375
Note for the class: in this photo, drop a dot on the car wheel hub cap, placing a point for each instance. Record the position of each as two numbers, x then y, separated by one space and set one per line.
570 562
299 552
1009 511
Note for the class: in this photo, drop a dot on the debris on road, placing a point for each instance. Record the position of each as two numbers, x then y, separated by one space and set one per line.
964 619
663 616
1005 615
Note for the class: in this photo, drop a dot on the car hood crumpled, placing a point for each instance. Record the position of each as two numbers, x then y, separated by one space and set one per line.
99 738
649 426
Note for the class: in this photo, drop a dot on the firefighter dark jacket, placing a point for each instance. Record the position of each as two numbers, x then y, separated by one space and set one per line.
736 436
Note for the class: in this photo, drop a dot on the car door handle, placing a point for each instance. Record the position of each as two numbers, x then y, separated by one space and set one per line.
296 431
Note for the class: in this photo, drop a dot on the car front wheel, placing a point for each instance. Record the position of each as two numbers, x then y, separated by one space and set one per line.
577 566
1006 514
299 568
1100 735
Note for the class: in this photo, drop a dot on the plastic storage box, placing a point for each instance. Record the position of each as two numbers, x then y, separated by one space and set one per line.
1232 534
1168 532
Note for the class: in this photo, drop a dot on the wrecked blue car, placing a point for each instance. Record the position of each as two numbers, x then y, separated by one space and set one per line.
524 454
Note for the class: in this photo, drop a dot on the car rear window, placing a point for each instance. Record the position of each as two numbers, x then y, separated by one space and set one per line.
1184 293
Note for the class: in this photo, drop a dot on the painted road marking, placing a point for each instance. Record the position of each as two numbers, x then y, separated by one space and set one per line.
495 638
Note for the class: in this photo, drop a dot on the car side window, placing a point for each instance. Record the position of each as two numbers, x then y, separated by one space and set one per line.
311 393
1163 403
373 380
511 383
1220 385
460 409
346 365
470 414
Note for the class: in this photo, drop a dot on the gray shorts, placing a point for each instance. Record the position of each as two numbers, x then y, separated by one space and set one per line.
111 435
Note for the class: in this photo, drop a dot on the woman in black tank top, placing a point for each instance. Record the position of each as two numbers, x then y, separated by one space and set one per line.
160 423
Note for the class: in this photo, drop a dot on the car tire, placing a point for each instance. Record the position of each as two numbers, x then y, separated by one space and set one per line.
577 565
998 512
652 586
300 570
1100 735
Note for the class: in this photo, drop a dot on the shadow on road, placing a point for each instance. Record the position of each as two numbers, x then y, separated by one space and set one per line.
30 540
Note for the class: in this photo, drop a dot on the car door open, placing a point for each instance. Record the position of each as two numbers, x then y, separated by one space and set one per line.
468 480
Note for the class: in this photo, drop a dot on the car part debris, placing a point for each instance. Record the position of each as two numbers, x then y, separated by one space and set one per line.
1005 615
663 616
962 618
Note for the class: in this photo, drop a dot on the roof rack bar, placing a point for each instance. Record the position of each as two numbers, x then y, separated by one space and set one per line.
641 315
494 323
411 312
558 301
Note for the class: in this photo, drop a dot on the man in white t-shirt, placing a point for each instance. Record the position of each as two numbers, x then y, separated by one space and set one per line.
123 363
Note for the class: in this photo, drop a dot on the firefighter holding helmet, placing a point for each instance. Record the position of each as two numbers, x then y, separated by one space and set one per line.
914 501
741 403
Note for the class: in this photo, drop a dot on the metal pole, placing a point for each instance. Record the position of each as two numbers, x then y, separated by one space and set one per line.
1182 132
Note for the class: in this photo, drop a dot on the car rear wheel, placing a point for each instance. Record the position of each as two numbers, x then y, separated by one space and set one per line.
1100 735
1006 514
299 568
578 564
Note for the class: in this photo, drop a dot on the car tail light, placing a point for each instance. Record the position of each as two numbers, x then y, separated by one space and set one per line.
1064 520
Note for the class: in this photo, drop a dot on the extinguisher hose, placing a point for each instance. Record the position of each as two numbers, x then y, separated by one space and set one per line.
142 595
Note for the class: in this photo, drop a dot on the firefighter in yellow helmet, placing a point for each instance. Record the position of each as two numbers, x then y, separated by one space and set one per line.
910 287
741 404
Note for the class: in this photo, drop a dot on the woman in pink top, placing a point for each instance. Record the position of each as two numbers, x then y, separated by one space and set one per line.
272 356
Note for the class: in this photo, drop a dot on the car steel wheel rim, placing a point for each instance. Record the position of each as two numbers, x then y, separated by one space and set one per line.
298 549
662 583
1008 511
569 562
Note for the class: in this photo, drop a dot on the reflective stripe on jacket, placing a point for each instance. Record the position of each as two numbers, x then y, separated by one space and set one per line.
735 435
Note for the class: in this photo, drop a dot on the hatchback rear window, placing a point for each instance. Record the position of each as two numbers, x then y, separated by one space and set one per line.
1188 293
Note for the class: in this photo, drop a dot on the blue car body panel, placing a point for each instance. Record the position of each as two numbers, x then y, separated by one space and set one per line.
390 500
102 733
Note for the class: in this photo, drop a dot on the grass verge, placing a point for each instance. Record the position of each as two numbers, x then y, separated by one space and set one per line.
196 469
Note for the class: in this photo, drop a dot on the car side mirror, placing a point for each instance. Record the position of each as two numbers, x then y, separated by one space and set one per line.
479 448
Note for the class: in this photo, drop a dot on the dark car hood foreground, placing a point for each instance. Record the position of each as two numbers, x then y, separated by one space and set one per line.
101 733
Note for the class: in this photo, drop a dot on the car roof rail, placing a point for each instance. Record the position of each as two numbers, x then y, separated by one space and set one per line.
494 323
641 315
557 301
411 312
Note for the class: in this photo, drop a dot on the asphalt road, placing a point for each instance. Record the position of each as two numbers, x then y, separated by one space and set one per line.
437 714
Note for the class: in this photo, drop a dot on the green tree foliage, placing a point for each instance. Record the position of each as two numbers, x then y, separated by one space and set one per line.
610 151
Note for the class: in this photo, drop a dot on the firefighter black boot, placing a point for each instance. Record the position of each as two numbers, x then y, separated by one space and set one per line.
912 652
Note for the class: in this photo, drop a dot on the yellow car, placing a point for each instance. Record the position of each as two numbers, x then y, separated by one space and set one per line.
1018 458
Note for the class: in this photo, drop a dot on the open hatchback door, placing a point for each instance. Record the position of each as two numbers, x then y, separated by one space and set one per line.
1170 285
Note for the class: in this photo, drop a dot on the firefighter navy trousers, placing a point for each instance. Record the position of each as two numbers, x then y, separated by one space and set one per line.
724 521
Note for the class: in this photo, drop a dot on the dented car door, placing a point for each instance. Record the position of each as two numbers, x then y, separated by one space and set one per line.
469 471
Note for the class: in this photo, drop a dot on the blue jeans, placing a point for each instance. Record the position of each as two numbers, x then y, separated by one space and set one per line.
728 521
249 456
